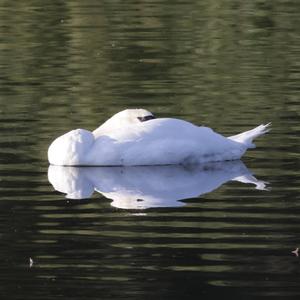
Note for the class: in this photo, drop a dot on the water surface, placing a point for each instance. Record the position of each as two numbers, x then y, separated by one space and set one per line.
229 65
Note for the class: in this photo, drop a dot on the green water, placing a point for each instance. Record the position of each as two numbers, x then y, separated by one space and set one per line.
229 65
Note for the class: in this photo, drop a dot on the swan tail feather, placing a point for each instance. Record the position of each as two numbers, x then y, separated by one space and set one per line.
247 137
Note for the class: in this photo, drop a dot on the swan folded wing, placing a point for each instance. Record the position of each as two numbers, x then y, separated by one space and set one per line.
105 152
173 143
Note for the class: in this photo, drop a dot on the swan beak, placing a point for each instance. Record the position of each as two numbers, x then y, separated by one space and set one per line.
146 118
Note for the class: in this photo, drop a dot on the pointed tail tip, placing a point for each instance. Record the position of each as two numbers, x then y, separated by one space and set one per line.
266 128
246 138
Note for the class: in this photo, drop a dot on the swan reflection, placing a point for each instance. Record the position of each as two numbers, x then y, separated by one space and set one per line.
145 187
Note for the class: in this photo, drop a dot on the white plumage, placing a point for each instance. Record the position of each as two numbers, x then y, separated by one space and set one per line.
135 137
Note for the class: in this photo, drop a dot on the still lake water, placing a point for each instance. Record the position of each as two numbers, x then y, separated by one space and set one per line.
230 65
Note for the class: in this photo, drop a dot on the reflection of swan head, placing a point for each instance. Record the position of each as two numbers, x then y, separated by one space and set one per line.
144 187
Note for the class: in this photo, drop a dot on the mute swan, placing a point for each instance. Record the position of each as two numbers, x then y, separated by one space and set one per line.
135 137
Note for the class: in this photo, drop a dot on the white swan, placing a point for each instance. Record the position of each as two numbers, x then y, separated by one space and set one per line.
151 186
134 137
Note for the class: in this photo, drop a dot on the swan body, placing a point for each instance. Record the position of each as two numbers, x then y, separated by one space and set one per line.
134 137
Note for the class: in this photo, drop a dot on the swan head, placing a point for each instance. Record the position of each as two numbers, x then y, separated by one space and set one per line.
71 148
131 116
122 119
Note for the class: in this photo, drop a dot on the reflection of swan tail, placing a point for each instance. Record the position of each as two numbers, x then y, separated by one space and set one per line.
259 184
247 137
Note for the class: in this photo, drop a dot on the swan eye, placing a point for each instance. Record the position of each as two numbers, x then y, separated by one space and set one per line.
146 118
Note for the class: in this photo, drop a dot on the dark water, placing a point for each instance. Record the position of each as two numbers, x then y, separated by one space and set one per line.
230 65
